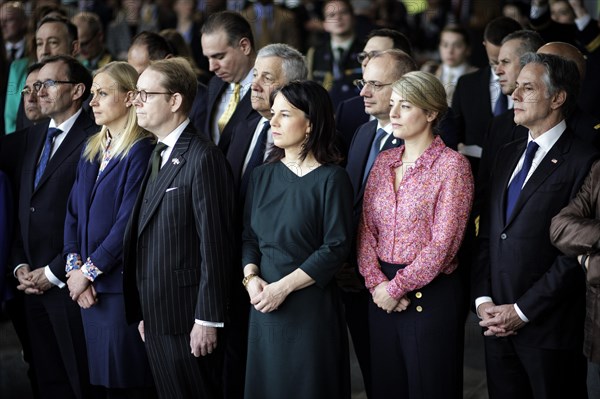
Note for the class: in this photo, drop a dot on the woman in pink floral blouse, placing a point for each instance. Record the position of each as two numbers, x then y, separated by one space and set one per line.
416 206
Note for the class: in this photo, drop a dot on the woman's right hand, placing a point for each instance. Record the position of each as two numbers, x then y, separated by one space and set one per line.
88 298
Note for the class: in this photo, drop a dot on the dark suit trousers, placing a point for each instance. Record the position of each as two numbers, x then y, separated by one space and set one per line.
522 372
58 344
356 306
180 375
418 354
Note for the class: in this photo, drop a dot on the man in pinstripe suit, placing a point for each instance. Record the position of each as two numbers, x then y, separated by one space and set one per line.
177 257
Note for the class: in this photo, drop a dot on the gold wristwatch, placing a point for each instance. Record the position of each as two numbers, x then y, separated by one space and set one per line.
247 279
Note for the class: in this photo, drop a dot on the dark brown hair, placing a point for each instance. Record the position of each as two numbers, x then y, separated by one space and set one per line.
312 99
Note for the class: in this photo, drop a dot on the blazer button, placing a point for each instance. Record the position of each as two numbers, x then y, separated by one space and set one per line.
418 295
32 209
419 309
503 236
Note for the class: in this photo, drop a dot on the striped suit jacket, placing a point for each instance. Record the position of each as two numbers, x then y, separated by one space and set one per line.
176 247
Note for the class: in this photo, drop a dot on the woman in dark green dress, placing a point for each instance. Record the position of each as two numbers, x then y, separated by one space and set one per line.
297 225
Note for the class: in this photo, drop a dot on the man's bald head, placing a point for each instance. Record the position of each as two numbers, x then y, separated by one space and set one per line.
566 51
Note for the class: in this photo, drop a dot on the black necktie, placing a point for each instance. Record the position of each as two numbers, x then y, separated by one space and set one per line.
257 157
338 72
13 54
46 152
156 160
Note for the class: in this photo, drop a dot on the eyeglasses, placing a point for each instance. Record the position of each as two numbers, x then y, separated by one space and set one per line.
375 86
144 94
27 91
51 83
363 55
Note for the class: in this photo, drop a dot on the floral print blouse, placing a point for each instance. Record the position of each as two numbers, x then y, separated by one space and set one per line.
422 224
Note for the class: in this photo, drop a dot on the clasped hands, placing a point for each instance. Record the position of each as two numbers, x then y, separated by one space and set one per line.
266 297
80 289
499 320
384 301
32 282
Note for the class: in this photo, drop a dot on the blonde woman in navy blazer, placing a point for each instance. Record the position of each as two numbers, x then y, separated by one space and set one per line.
108 179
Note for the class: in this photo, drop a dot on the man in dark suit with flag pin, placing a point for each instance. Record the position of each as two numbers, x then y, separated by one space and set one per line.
176 249
531 297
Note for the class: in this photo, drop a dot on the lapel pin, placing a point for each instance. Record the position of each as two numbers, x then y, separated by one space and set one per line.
554 161
394 141
175 161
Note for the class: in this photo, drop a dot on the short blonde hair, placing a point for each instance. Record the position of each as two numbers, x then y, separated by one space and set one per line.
423 90
125 77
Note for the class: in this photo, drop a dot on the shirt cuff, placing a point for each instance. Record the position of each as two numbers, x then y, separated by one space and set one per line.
73 262
521 314
52 278
583 22
20 265
394 290
90 270
479 301
210 323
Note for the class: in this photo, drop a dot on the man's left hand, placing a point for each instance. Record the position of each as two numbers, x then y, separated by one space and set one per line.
203 340
38 278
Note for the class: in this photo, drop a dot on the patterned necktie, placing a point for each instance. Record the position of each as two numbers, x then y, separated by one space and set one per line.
257 157
375 149
515 186
47 151
156 160
233 102
501 104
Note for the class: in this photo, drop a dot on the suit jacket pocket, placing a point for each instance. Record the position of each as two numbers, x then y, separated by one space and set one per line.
549 188
187 277
175 191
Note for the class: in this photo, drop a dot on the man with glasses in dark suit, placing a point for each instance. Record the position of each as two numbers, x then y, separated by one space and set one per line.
177 252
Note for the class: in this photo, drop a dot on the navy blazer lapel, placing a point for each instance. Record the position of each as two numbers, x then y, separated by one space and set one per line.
214 92
511 163
72 142
166 175
359 153
93 178
240 144
89 173
553 160
111 165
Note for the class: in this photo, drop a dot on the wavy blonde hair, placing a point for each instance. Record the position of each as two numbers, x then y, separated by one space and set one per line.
125 77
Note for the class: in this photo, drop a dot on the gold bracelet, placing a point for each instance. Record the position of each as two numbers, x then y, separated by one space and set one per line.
247 279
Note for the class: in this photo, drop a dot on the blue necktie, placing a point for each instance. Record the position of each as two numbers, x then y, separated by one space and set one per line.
375 149
257 157
52 132
501 104
515 186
